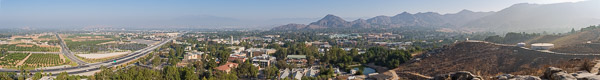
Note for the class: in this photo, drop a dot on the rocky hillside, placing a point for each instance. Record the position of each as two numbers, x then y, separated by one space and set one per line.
489 60
550 73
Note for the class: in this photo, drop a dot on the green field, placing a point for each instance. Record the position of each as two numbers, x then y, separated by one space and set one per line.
13 47
12 59
85 46
81 35
43 60
47 36
23 38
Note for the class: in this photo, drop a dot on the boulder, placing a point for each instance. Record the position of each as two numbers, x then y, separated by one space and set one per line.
562 76
460 75
525 77
518 77
504 77
549 71
553 73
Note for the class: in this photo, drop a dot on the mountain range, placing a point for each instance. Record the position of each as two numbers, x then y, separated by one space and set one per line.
523 17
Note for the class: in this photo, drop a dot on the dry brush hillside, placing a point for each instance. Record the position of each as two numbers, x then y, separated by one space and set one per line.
489 60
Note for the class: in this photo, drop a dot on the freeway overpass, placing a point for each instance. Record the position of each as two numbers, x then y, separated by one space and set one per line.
75 70
65 50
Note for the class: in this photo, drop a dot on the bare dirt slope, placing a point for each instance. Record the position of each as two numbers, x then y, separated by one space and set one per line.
577 43
578 38
487 60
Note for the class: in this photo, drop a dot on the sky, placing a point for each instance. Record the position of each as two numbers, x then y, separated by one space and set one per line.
249 10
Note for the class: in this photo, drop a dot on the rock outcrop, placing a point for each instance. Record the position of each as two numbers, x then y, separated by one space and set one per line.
553 73
461 75
517 77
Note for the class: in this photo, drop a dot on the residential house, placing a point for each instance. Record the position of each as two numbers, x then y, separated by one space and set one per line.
227 67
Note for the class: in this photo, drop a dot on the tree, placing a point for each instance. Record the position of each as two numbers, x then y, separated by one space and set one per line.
247 70
190 75
62 76
7 75
24 73
353 52
171 73
104 74
223 56
282 64
211 62
280 54
156 61
37 76
386 57
271 72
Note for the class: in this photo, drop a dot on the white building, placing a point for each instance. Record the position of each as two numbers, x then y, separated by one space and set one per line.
259 51
264 60
193 55
542 46
237 49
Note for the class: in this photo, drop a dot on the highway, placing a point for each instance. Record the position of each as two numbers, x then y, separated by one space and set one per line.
65 50
96 66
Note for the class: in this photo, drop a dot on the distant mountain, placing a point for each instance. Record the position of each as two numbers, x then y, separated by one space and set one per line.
523 17
539 18
290 27
400 20
330 21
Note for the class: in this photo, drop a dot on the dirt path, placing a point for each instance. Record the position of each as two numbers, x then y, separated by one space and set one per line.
23 61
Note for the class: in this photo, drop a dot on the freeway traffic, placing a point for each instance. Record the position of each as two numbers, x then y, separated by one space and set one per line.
96 66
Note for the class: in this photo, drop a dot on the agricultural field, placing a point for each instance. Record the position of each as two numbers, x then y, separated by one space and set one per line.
44 60
32 42
29 47
11 59
85 46
48 36
88 43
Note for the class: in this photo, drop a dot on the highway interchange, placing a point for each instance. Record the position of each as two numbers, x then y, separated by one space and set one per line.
87 67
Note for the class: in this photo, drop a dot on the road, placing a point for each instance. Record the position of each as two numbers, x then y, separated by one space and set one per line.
96 66
65 50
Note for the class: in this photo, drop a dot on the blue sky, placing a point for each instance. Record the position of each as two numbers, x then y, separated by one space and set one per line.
102 10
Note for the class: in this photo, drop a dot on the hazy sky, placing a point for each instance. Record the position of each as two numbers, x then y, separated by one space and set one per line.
50 10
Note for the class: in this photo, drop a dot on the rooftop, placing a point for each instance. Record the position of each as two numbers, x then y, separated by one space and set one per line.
297 56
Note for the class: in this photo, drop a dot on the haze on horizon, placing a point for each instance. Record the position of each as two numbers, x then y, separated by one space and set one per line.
19 13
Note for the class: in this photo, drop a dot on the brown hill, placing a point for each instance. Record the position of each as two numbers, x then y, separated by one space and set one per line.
578 43
578 38
488 60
